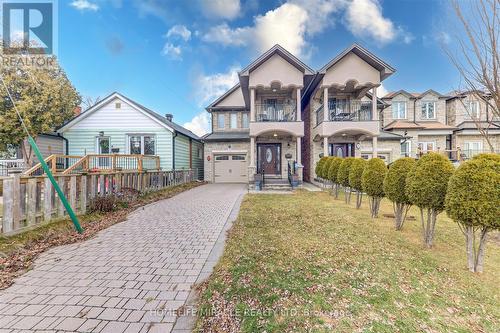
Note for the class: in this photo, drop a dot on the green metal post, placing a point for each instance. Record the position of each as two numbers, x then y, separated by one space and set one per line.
65 202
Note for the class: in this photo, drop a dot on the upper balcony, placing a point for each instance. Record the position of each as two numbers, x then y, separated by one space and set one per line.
345 116
275 109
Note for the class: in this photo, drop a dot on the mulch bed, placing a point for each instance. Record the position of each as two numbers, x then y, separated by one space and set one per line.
17 261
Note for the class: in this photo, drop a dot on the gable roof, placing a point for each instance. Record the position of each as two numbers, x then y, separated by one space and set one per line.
169 125
281 51
374 61
402 92
222 97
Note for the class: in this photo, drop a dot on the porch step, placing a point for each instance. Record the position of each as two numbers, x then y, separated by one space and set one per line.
277 187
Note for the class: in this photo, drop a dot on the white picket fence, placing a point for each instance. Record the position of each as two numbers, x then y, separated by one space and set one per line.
28 201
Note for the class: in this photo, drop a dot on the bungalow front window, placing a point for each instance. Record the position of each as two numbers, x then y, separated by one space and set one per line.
428 110
398 110
141 144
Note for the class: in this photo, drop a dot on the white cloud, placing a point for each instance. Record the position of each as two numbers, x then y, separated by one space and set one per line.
226 36
179 31
209 87
84 5
172 51
364 19
285 25
200 124
381 91
225 9
442 37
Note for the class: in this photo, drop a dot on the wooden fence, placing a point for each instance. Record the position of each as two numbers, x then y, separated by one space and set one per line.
28 201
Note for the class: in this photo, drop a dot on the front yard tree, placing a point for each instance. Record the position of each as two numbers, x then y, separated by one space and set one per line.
372 181
473 201
319 167
343 177
426 188
355 174
333 172
394 189
45 98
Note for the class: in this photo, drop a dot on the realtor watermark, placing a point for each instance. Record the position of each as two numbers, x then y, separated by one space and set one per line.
29 33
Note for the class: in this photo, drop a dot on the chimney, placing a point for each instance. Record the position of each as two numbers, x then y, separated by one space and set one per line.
77 110
169 116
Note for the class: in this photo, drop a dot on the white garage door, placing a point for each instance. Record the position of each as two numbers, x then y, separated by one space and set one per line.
230 168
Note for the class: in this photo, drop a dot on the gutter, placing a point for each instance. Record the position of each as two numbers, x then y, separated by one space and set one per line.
66 144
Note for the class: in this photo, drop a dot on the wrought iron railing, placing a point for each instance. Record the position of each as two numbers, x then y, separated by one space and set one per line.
276 111
346 111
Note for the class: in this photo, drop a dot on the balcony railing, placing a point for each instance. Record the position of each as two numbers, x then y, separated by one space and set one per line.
276 112
346 111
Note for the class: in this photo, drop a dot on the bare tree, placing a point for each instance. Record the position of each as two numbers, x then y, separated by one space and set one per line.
477 58
89 102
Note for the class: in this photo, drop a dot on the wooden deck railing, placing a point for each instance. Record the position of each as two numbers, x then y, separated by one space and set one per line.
29 201
72 164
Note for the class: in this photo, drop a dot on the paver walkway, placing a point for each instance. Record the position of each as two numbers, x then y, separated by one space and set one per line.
131 277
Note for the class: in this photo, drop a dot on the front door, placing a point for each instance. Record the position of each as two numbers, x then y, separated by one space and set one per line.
269 158
342 149
103 148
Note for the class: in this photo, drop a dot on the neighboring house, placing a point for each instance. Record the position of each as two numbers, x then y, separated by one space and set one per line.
275 119
119 125
467 113
421 117
48 144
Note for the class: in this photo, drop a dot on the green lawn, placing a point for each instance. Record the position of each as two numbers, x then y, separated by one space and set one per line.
308 263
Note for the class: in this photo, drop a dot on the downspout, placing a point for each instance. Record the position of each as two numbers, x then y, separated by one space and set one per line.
66 144
173 150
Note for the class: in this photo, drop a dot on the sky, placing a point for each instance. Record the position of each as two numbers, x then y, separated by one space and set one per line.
178 56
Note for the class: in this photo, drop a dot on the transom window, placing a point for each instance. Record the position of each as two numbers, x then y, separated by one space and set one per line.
141 144
426 146
220 120
473 109
234 120
428 110
399 110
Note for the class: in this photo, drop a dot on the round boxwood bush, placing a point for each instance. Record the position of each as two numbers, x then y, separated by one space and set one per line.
394 188
473 201
355 173
426 187
343 176
319 166
372 181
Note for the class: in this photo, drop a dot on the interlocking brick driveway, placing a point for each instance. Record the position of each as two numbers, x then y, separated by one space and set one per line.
111 283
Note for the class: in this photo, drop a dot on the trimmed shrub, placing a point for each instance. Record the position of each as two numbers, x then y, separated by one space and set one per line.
473 201
355 174
319 167
489 156
372 181
326 167
332 173
343 176
394 189
426 188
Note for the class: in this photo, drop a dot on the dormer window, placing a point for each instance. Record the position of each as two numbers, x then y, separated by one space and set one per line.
399 110
428 110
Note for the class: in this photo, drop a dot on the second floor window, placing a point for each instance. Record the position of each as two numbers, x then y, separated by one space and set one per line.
398 110
234 120
473 109
220 121
428 110
244 120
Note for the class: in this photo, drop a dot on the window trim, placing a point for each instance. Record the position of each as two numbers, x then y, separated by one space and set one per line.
426 103
141 135
399 110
